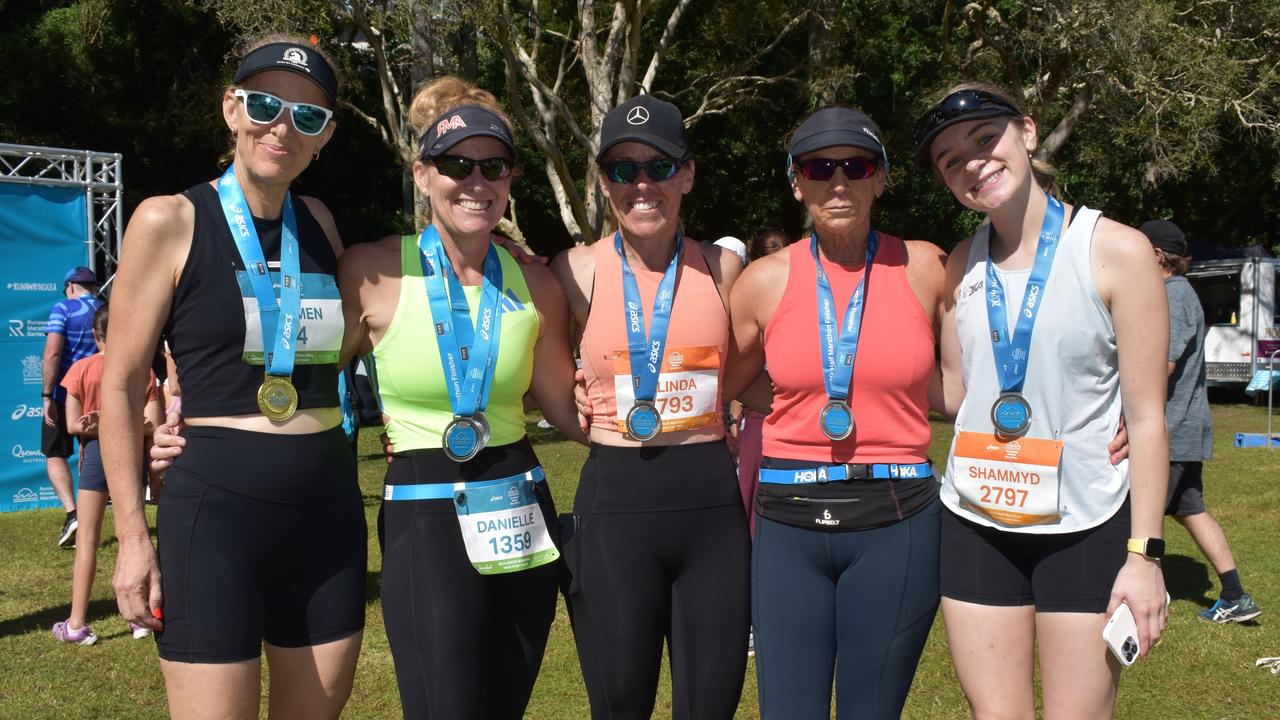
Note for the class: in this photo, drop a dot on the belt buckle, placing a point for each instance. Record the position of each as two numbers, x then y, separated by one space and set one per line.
855 471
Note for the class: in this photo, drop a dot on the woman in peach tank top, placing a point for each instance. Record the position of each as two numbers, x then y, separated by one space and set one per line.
845 567
657 545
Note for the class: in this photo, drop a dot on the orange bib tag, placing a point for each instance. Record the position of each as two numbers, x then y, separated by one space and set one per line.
1012 483
688 394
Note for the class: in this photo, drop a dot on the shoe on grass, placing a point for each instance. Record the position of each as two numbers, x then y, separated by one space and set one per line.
84 635
67 538
1239 611
139 632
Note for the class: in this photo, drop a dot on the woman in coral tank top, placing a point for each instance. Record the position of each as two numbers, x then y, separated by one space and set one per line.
845 567
658 546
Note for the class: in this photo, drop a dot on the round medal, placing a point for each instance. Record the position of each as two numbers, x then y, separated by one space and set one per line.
277 398
643 421
836 420
464 437
1011 415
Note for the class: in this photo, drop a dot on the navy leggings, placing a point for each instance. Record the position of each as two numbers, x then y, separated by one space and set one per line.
856 603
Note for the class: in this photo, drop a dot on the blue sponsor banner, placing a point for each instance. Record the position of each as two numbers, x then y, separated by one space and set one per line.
43 233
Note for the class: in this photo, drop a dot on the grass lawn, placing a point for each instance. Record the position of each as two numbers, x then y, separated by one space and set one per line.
1199 671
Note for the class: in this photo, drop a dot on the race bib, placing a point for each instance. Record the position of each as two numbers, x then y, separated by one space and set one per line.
320 322
502 525
688 394
1011 483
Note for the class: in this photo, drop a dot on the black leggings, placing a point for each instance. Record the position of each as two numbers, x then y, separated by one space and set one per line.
660 550
465 645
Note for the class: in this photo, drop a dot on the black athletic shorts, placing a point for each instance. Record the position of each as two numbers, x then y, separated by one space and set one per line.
1067 572
56 441
285 565
1186 489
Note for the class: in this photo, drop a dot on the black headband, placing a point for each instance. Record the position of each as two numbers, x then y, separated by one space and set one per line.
294 58
461 123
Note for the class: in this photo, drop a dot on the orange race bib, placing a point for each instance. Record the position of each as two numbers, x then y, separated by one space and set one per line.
1012 483
688 394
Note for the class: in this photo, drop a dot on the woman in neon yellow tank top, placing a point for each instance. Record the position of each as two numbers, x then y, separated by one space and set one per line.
457 328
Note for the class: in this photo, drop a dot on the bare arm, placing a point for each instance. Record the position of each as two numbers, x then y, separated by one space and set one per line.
746 341
553 368
75 415
1131 286
51 363
947 391
154 250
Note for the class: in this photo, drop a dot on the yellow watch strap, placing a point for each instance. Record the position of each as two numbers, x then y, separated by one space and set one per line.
1137 545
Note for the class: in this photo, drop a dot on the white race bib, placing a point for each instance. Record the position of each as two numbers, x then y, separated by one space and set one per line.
1012 483
320 323
688 394
502 525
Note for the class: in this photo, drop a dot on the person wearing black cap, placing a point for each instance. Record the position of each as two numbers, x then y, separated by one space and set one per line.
657 545
1038 518
238 275
845 566
68 338
468 584
1191 424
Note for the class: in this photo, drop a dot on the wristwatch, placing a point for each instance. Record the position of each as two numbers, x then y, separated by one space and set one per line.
1150 547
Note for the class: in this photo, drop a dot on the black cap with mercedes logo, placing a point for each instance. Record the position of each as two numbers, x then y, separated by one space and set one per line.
646 119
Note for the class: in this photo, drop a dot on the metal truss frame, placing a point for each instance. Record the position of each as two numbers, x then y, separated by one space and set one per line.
98 173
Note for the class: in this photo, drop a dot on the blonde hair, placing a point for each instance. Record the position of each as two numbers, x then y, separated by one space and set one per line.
445 93
1045 173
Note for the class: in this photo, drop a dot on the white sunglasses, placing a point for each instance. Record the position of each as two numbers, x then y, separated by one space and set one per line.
263 109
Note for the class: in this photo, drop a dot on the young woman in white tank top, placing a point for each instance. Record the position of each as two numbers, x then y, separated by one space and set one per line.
1039 519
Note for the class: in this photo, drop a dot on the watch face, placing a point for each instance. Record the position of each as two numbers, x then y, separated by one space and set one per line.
1155 548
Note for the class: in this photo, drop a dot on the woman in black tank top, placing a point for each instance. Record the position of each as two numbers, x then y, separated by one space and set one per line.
266 463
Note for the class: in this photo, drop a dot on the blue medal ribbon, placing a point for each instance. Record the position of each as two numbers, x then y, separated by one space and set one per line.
1011 353
646 351
468 353
278 315
838 353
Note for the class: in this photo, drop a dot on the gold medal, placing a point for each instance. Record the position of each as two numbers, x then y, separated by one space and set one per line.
277 398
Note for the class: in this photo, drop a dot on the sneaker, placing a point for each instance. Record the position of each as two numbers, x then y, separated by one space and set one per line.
68 536
751 644
1239 611
62 632
139 632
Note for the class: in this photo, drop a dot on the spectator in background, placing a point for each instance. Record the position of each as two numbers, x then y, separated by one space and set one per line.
83 384
735 246
68 338
1190 424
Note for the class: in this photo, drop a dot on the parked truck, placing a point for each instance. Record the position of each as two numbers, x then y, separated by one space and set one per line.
1242 328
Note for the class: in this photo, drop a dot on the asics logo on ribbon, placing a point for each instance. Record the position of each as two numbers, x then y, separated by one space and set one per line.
287 340
486 323
237 214
633 315
654 356
1033 295
638 116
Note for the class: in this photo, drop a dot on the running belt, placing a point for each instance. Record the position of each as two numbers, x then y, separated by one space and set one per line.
445 490
847 471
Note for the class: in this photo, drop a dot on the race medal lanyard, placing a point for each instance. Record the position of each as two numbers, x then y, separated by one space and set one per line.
1011 413
277 397
468 353
838 353
643 420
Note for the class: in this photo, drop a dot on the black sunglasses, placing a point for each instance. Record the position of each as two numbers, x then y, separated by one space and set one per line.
626 172
459 168
823 169
958 104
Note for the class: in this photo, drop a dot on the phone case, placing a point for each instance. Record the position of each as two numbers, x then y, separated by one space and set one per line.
1121 635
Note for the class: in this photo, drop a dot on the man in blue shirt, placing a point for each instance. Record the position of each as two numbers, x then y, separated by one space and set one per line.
68 338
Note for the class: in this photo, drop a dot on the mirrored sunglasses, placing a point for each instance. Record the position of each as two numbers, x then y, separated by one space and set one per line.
823 169
263 109
626 172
